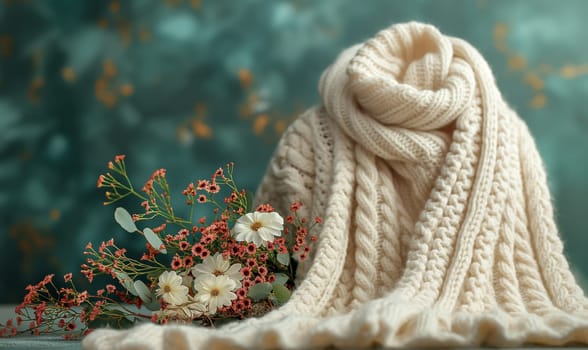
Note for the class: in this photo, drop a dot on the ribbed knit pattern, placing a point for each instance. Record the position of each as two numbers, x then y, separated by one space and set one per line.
438 224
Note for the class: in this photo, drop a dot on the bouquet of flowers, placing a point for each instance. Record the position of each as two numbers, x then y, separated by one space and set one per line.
238 264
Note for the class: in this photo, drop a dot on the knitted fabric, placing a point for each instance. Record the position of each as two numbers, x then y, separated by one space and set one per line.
438 224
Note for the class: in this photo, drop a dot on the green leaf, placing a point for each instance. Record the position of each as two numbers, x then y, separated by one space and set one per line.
127 282
249 199
260 291
284 259
143 292
111 318
281 278
124 219
148 298
281 293
154 240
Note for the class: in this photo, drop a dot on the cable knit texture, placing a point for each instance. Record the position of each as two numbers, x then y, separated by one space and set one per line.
438 224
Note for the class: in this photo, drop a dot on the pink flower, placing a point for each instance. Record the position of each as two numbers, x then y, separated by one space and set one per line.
241 292
120 252
202 184
295 206
251 248
213 188
265 208
100 181
246 271
67 277
251 263
176 263
188 261
119 158
197 249
246 283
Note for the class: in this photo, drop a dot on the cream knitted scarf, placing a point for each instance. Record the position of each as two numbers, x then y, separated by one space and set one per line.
438 226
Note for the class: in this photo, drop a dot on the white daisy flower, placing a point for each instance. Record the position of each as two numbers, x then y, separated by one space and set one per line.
258 227
217 265
215 291
171 288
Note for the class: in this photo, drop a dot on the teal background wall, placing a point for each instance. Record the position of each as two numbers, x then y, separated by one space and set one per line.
191 85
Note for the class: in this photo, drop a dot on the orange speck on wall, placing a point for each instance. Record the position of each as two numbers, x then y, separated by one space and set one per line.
200 129
534 81
173 2
6 45
570 71
114 6
280 126
248 107
201 109
144 34
102 23
517 62
33 92
54 214
68 74
538 101
500 31
260 123
31 242
108 98
109 68
124 30
126 90
245 78
100 85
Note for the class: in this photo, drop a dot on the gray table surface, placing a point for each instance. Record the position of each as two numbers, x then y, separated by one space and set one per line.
23 342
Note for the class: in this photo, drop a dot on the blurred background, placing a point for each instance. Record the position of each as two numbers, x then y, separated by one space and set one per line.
190 85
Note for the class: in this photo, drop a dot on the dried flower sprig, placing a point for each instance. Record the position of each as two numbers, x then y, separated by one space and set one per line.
237 265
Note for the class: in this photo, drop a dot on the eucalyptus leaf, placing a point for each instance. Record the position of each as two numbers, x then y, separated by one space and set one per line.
143 292
124 219
281 278
284 259
281 293
148 298
154 240
112 318
127 282
260 291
